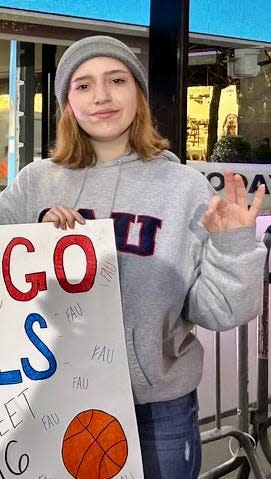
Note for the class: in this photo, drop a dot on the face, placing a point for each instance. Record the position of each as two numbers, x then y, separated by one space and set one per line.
231 119
103 98
231 125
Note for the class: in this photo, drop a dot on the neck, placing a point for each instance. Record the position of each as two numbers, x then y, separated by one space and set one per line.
108 150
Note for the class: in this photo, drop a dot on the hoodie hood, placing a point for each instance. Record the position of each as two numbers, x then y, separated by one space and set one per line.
168 155
131 157
103 188
117 164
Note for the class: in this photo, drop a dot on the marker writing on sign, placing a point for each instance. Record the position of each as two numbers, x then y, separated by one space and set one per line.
13 412
15 469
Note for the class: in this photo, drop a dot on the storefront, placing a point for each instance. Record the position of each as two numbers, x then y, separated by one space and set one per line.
229 74
228 99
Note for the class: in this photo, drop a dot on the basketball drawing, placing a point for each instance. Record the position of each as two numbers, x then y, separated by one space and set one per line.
94 446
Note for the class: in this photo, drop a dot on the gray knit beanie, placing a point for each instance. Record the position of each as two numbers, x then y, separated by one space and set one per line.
90 47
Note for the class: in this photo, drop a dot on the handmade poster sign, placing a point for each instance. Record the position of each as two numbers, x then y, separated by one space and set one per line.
66 406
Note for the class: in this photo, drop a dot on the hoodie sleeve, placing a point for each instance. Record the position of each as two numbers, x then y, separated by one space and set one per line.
228 288
13 200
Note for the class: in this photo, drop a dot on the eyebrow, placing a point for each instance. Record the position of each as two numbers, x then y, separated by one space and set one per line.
107 73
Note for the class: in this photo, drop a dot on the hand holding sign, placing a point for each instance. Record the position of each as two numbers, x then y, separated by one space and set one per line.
232 212
62 216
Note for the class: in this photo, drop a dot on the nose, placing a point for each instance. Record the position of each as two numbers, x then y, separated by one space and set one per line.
101 93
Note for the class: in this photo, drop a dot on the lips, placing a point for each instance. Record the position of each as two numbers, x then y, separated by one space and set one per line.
103 114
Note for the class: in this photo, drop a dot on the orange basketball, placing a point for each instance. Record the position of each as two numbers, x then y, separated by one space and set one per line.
94 446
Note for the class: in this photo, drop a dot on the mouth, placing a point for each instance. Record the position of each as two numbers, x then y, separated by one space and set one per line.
104 114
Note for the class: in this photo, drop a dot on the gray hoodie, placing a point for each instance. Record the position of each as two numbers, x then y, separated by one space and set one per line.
165 257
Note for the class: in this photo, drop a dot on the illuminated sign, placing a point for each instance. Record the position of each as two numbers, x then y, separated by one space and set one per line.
4 103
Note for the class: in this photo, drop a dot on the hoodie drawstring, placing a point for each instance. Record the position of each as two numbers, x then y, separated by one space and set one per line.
116 185
81 188
114 193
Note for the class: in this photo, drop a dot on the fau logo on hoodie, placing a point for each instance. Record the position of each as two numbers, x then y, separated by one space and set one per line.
142 244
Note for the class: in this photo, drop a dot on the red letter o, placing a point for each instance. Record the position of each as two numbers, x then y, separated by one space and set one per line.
86 244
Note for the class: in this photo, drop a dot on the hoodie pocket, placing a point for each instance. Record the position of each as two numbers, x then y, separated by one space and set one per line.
138 376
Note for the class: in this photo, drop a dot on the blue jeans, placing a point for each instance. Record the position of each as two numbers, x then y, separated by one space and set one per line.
170 438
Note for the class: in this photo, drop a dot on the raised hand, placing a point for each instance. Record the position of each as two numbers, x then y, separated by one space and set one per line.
232 212
62 216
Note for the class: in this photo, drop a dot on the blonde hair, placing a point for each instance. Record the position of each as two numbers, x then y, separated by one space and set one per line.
73 146
230 125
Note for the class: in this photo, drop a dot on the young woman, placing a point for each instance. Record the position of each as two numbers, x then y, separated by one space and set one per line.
230 125
178 244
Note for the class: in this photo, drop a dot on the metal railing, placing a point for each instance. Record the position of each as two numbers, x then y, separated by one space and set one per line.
253 423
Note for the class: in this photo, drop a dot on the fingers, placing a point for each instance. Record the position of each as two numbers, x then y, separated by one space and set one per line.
257 201
216 203
221 215
62 217
235 191
230 190
240 191
211 217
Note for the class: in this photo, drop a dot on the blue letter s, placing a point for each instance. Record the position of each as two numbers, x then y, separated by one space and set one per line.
30 372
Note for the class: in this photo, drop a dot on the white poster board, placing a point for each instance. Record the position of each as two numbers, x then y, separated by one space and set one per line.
66 405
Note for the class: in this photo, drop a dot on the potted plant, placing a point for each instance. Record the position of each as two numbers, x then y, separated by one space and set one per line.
232 149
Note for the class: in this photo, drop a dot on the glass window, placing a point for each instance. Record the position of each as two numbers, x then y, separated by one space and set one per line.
229 115
229 105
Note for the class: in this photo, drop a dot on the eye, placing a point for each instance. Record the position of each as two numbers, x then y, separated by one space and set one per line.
118 81
82 87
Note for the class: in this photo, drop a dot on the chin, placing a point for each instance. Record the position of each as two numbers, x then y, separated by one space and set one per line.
103 138
108 137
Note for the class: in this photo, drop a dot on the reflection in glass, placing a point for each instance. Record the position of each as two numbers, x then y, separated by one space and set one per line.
221 107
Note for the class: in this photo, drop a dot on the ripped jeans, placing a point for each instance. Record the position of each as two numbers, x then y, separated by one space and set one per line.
170 438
